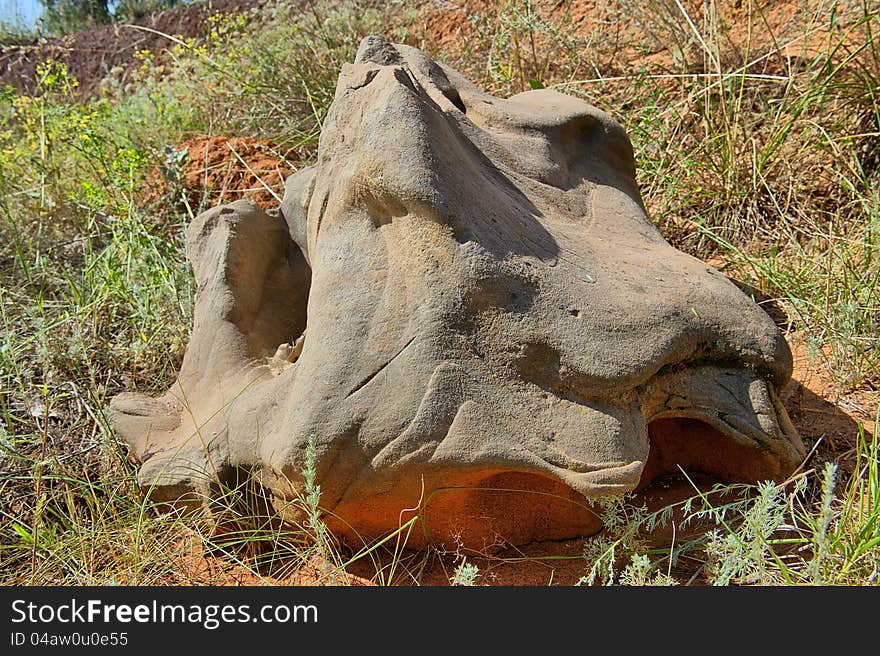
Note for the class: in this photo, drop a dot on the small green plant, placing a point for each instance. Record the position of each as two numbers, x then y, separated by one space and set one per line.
465 574
741 554
311 502
641 572
623 526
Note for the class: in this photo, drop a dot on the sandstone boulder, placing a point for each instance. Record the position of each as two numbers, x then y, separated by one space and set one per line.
465 304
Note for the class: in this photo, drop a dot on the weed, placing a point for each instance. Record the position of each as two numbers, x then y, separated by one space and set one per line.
311 502
624 525
641 572
465 574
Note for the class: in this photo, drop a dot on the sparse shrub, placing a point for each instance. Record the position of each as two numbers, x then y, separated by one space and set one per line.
465 574
640 572
623 527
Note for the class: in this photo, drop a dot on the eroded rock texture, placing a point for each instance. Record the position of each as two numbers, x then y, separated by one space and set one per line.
465 303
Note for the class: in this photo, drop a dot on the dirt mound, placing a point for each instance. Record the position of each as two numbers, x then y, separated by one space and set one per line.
92 53
217 169
624 34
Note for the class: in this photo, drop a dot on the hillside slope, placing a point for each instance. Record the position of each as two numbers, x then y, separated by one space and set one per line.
92 53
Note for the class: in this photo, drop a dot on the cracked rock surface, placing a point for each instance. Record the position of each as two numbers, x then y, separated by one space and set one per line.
465 303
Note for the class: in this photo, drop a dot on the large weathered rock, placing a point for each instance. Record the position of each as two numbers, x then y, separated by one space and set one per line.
466 305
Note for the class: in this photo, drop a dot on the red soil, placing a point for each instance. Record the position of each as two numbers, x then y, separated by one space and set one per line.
224 169
772 36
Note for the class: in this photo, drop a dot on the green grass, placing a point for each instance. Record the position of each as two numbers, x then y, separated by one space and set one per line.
754 149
